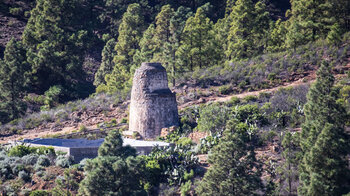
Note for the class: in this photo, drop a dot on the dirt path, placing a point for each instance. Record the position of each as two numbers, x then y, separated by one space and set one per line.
306 80
256 93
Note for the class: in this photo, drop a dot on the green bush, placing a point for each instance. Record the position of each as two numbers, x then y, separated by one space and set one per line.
225 90
184 141
234 100
52 96
16 168
64 161
213 118
250 98
250 114
20 151
39 193
30 159
43 161
272 76
16 11
23 175
185 188
82 128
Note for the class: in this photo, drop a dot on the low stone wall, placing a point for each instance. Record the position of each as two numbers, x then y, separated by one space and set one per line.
79 149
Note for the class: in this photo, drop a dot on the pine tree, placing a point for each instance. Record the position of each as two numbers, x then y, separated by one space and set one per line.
106 64
116 170
261 26
334 35
313 18
229 5
198 40
324 169
13 77
177 25
277 37
111 175
240 38
147 47
290 156
130 33
294 36
162 32
56 42
110 14
234 169
113 146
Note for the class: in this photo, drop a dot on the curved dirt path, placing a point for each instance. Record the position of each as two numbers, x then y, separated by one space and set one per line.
256 93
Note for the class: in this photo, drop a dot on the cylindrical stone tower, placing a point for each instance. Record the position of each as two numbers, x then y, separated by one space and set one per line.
153 106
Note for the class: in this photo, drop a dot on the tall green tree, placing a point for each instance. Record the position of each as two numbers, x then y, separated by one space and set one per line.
334 35
288 170
111 175
234 169
147 47
170 52
55 39
249 27
241 37
162 32
324 169
277 37
130 33
107 64
13 77
261 26
315 18
116 170
198 43
113 146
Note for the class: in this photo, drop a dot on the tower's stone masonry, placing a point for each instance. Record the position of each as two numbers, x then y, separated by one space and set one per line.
153 106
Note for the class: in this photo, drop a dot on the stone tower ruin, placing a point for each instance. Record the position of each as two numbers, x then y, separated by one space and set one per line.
153 106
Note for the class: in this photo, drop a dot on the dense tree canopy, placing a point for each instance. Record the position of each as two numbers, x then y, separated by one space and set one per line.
325 144
13 78
234 169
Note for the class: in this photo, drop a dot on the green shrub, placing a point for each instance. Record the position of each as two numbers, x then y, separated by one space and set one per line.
16 168
225 90
40 173
189 176
5 170
234 100
42 150
23 175
52 96
20 151
82 128
39 193
250 114
43 161
185 188
124 120
64 161
184 141
272 76
16 11
213 118
207 144
250 98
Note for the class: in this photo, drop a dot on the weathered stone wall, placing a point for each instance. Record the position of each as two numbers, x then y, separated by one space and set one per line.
153 106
